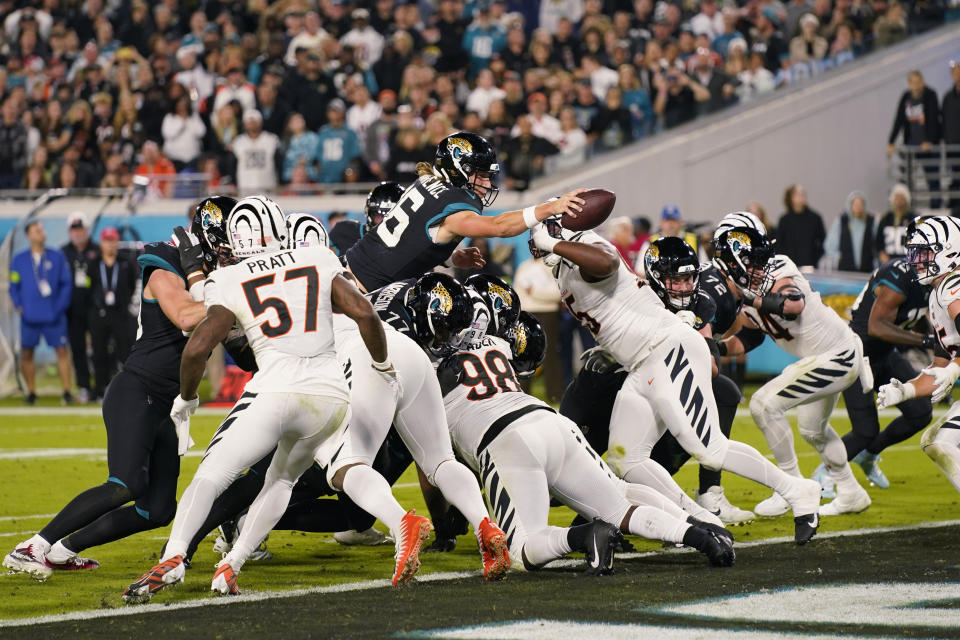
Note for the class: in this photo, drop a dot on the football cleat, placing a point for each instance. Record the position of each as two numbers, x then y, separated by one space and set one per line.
724 533
869 462
773 506
852 501
493 550
414 531
715 501
165 574
221 546
369 538
224 581
804 499
718 549
602 541
28 559
828 488
76 563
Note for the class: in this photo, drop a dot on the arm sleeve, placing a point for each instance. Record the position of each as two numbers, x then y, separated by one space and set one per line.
750 338
212 293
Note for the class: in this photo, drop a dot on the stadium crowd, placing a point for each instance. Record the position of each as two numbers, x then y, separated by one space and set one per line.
285 95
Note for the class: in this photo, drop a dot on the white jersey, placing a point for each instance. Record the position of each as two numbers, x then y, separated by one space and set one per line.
282 304
942 296
256 170
624 315
479 388
817 330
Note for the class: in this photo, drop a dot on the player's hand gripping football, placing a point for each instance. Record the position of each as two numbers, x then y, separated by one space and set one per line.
180 414
894 393
569 203
944 379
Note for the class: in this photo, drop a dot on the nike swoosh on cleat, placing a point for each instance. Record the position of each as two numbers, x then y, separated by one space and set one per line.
596 555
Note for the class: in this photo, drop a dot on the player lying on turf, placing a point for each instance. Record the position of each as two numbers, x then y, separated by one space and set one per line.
779 302
669 383
934 253
698 294
142 448
297 402
889 311
526 454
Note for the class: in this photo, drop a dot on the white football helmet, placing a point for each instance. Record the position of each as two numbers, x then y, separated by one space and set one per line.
304 230
256 225
743 252
933 247
739 220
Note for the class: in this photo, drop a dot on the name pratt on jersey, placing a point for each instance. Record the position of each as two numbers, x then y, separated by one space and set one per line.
275 262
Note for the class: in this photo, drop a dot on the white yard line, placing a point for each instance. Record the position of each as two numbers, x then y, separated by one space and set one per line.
34 516
432 577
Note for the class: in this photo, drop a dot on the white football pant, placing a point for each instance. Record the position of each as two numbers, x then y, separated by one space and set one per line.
942 443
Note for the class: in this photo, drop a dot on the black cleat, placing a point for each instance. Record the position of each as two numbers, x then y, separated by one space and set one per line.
602 540
805 527
717 548
625 546
707 526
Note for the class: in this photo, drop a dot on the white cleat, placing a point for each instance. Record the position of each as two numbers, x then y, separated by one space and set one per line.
369 538
715 501
851 501
775 505
28 559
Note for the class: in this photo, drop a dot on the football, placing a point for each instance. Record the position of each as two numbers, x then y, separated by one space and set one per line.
597 206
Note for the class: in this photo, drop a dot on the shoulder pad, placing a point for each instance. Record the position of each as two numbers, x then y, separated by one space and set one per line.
949 289
160 255
783 267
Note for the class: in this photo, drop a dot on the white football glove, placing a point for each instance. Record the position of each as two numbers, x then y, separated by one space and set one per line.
542 239
180 414
687 317
894 393
944 378
389 375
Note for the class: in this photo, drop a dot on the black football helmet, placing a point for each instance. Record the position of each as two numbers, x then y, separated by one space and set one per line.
381 199
209 224
501 300
528 341
743 252
440 308
462 158
672 270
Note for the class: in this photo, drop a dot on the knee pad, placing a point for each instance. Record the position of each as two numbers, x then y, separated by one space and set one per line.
713 458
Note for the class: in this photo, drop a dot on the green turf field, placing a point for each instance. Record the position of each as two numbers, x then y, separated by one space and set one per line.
50 454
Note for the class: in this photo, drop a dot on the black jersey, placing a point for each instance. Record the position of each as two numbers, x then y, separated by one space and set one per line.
388 302
727 307
402 245
899 276
344 235
155 356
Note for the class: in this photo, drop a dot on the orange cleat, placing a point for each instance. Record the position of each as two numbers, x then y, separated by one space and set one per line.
414 531
225 580
493 550
165 574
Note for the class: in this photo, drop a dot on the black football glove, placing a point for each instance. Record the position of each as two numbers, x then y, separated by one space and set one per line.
191 253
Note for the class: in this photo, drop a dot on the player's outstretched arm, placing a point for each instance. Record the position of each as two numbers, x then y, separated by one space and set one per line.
785 300
468 224
883 317
348 299
211 330
175 301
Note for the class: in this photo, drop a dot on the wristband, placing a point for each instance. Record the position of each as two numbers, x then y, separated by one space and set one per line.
384 366
196 291
547 244
909 391
530 217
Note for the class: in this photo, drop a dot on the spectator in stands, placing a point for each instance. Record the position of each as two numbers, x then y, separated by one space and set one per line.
808 46
540 296
311 37
722 87
275 111
758 210
601 77
850 241
585 105
81 255
114 284
301 149
572 143
515 56
623 236
637 100
677 97
613 124
950 113
236 88
14 149
768 38
364 111
338 147
729 33
543 124
709 21
525 154
409 150
156 167
892 229
485 92
671 226
183 133
380 134
366 42
256 152
40 289
800 232
918 117
193 76
891 27
482 39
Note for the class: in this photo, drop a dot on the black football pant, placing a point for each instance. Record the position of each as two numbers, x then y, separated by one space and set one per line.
862 409
143 467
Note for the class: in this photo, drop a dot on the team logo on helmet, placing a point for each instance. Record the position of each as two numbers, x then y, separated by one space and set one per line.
503 293
442 298
520 334
459 146
740 237
211 215
653 252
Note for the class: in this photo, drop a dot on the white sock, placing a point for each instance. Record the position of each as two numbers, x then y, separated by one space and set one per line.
642 496
193 509
263 515
744 460
39 542
371 492
654 524
459 486
59 553
652 474
546 546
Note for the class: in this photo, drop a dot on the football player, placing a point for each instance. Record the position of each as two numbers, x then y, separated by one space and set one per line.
380 200
668 386
933 250
142 451
779 302
886 314
525 453
297 402
440 208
